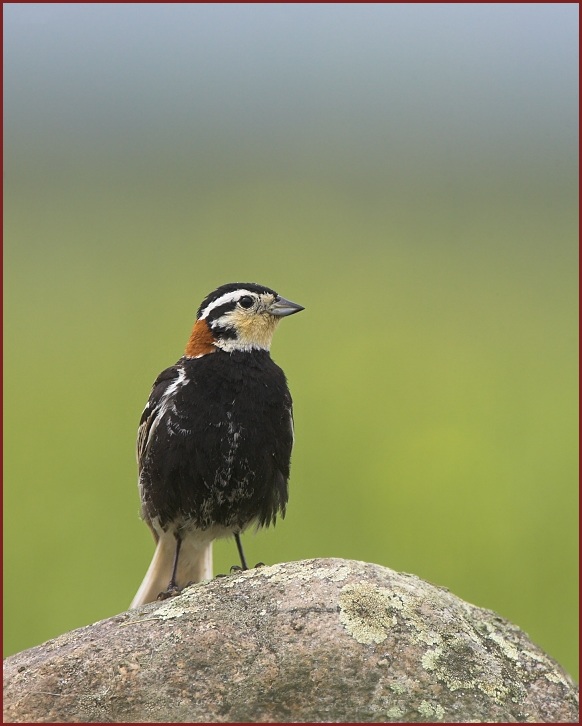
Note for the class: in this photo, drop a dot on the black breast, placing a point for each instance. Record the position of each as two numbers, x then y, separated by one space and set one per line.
215 442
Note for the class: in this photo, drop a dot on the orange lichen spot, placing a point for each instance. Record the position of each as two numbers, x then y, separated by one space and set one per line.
201 341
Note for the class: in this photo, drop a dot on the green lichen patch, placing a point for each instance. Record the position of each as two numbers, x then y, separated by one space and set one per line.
365 612
466 668
506 647
427 710
396 712
176 607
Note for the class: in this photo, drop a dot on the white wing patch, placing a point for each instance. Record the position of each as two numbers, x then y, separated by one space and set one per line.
162 408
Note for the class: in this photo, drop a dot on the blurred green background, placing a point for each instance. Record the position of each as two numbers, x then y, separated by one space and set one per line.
406 172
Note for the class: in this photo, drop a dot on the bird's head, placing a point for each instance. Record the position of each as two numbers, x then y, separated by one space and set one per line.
238 316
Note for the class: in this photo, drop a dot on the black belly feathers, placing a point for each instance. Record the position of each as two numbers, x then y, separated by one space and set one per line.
215 442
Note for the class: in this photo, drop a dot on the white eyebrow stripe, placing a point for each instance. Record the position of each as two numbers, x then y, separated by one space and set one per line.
226 298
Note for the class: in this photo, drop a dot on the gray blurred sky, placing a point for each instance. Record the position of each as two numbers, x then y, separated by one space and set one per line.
296 78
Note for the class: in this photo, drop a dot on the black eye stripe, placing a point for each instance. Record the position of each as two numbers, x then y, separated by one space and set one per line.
232 287
221 310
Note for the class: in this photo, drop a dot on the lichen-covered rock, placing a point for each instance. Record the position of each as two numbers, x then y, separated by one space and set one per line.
318 640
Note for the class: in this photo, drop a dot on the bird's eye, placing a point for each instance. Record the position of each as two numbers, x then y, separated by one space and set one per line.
246 301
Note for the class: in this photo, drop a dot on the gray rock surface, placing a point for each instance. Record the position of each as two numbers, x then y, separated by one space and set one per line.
317 640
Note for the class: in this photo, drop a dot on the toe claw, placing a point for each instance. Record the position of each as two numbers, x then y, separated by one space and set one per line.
170 592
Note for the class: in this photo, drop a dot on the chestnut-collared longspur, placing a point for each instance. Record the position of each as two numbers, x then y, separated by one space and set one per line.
214 441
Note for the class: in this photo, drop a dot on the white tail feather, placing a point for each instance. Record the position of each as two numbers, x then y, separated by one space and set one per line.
194 565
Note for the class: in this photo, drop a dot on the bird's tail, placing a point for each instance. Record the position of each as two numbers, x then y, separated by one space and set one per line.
194 565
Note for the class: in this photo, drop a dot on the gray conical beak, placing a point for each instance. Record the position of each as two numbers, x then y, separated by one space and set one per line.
282 307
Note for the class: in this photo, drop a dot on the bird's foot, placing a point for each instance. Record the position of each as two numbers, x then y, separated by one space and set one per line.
237 568
172 591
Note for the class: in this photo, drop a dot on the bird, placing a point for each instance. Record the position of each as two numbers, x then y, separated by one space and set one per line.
215 438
